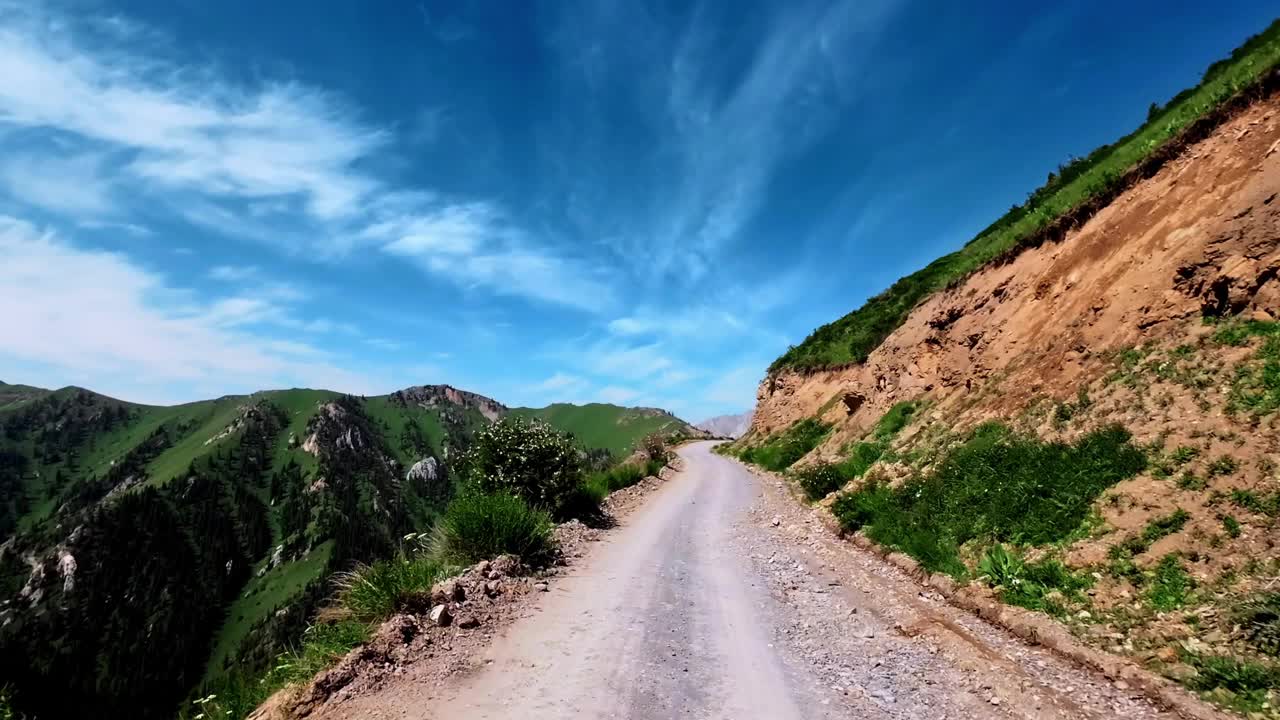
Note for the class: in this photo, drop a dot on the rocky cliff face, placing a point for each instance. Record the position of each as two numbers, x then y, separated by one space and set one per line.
436 396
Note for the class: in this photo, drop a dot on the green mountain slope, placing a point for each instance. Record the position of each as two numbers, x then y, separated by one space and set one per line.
145 548
1070 195
599 425
145 551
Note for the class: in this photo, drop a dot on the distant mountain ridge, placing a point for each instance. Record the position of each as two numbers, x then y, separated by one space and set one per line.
730 426
615 428
228 515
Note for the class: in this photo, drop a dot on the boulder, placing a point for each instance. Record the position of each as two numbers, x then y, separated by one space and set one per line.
440 616
426 471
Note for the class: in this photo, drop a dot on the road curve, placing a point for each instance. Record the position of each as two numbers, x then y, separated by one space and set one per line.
723 598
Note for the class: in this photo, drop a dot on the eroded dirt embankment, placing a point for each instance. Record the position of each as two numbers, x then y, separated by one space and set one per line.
1200 236
1159 313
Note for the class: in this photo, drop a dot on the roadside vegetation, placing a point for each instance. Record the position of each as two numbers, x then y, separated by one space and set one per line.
517 477
1073 190
997 486
784 449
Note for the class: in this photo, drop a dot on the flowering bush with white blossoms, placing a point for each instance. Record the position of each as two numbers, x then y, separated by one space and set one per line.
526 458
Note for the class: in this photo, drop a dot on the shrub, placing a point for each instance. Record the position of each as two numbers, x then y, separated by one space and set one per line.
996 485
479 526
655 447
526 458
820 479
375 592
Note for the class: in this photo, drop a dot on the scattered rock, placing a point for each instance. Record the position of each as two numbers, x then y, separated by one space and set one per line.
508 565
447 591
467 622
776 521
541 587
440 615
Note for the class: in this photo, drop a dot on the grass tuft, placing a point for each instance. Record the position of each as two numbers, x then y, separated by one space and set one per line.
1170 584
479 526
374 592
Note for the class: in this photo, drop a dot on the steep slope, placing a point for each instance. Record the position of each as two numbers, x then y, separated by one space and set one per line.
228 514
730 426
617 429
1146 337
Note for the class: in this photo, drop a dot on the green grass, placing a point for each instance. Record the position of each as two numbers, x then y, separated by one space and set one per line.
236 695
377 591
597 425
851 339
1170 584
477 527
781 451
1266 504
1164 526
996 486
261 597
213 417
1246 683
1031 585
398 418
1231 526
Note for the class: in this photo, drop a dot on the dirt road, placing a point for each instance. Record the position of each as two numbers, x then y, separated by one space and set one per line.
723 599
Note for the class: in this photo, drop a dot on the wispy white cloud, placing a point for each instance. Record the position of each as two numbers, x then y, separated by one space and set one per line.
475 245
619 360
97 313
279 162
188 128
561 382
62 183
233 273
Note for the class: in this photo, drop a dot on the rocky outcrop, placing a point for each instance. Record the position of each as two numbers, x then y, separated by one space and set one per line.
438 396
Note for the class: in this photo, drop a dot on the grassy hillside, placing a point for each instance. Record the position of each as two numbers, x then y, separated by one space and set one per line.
1071 193
598 425
229 514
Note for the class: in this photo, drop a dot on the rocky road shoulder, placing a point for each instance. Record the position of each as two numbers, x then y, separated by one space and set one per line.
446 637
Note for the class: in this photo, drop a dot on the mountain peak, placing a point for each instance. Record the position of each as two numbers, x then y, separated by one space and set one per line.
436 395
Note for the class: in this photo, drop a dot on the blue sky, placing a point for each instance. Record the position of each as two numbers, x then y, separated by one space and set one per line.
631 202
